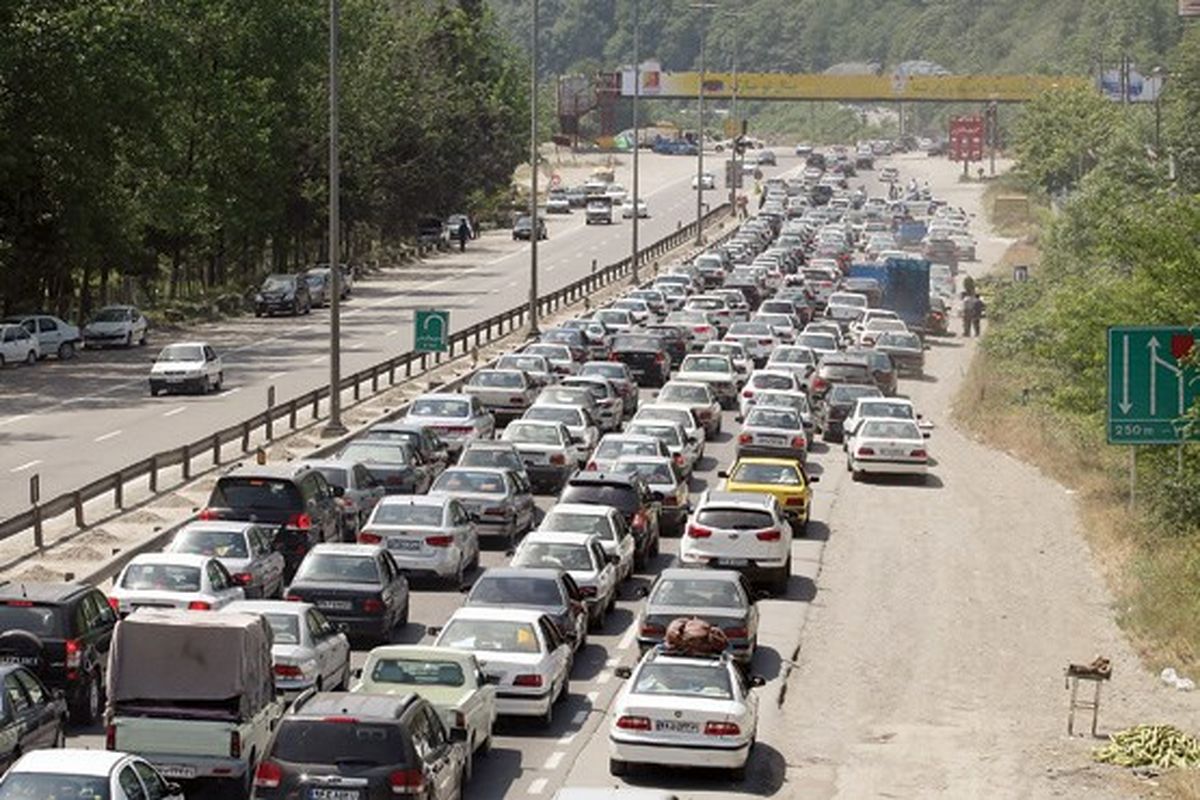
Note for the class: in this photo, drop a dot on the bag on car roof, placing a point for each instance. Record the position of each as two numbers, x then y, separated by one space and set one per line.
695 636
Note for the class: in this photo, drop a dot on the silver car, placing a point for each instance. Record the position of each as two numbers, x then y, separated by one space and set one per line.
536 367
548 451
678 413
504 392
665 479
797 401
357 490
715 370
584 431
426 534
559 356
116 325
245 549
307 650
696 396
501 500
455 418
614 446
719 597
684 450
620 376
742 363
604 522
392 462
773 432
609 401
801 361
582 557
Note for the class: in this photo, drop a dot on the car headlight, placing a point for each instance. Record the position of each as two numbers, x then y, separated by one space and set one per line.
258 298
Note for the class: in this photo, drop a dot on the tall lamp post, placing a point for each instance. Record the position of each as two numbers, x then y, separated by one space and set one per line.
533 180
700 128
637 137
334 427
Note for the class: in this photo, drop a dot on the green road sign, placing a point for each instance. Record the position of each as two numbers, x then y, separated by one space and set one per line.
1149 390
431 331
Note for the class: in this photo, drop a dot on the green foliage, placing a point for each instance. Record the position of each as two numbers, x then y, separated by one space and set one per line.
1061 134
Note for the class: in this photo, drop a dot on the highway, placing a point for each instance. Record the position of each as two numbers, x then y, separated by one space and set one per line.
76 421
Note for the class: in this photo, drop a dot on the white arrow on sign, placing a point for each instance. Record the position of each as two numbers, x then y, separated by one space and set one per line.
1156 360
431 321
1125 405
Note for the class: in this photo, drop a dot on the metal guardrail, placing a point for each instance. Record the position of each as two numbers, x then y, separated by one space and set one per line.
402 367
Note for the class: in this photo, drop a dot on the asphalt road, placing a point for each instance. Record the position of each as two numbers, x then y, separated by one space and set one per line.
76 421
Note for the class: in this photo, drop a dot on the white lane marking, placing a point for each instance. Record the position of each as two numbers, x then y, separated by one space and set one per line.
603 678
392 332
84 399
11 420
538 786
107 436
228 392
275 375
26 465
175 411
317 360
554 760
627 640
512 283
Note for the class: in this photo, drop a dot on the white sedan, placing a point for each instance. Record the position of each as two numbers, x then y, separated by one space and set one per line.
83 773
307 650
643 211
706 180
521 651
605 522
173 580
681 710
888 446
581 556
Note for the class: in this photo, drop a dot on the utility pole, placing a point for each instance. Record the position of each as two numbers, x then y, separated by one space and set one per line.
334 427
533 180
734 175
700 126
637 136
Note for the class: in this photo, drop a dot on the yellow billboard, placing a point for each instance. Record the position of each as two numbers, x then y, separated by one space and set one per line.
777 86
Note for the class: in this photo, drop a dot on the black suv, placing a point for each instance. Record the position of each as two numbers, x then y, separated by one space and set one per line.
646 355
627 493
61 632
287 293
294 497
365 746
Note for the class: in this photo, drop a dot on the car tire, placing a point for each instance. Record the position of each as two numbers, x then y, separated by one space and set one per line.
258 312
142 340
295 308
458 577
92 706
129 339
220 381
738 774
403 621
307 309
66 351
153 390
31 358
779 583
618 768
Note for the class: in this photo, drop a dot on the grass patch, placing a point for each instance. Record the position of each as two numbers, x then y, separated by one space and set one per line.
1182 785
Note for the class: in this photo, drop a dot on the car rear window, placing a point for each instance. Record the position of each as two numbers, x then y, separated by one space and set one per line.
162 577
463 480
844 371
637 343
738 519
503 380
357 742
554 555
494 590
22 615
336 568
409 672
28 785
388 514
570 522
261 493
683 680
480 457
697 592
622 498
335 476
219 544
436 407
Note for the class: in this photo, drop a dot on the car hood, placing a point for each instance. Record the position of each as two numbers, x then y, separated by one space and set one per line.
108 327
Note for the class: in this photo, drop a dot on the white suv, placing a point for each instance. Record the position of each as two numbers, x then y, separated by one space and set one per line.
744 531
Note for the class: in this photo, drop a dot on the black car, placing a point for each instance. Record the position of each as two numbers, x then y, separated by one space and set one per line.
750 290
432 451
392 463
31 716
838 369
358 587
61 632
337 745
524 228
627 493
646 356
837 405
883 370
294 498
548 590
675 338
285 293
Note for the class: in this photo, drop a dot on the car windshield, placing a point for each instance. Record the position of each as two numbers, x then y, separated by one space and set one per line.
684 394
490 635
554 555
668 434
22 615
368 452
699 364
818 341
113 315
698 593
491 457
220 544
498 379
182 352
848 394
439 407
411 672
318 741
338 568
768 381
285 628
53 786
650 471
407 514
277 283
161 577
776 474
637 343
574 522
524 363
495 590
257 493
684 680
898 339
889 429
772 417
532 434
464 480
885 409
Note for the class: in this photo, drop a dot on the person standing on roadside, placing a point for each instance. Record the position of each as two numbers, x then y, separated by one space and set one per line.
977 314
464 233
968 312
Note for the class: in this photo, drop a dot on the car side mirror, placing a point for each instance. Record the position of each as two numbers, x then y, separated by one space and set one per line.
814 478
614 558
358 673
490 679
757 681
624 673
641 591
926 434
433 630
174 790
458 735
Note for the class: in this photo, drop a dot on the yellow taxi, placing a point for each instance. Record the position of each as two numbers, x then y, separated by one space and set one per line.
782 477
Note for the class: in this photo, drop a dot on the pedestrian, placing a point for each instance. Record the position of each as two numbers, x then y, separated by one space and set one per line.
977 313
968 312
464 233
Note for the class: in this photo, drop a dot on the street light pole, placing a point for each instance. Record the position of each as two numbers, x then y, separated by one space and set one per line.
334 427
637 138
734 175
533 180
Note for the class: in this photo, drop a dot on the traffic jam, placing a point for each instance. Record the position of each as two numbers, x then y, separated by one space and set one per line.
660 449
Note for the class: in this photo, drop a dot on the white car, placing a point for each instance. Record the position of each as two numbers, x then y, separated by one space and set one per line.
643 211
522 651
123 325
743 531
698 398
704 181
77 774
686 711
455 418
173 580
714 369
52 334
617 192
307 650
246 549
684 450
603 522
640 309
703 325
581 556
888 446
777 380
17 346
558 203
187 366
878 408
451 680
584 432
679 413
615 446
736 351
758 338
548 452
427 534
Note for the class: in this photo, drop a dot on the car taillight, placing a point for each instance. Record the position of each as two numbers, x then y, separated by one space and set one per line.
294 598
613 357
745 438
110 737
372 606
670 500
660 358
199 605
765 341
799 441
678 459
74 653
367 537
460 719
530 680
242 578
591 466
737 633
652 630
288 671
268 775
819 383
919 454
628 723
866 451
301 521
495 511
747 393
114 603
439 541
704 413
772 535
588 591
558 459
794 501
697 532
721 729
407 781
516 399
639 520
235 744
207 514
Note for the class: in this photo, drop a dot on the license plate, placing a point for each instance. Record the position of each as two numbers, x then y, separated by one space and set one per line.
891 451
180 771
324 793
396 543
174 380
335 605
733 562
676 726
771 439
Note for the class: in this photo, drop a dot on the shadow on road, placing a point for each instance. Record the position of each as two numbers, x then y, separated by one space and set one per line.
765 773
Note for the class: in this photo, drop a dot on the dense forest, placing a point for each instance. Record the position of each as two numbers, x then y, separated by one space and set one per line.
798 35
156 150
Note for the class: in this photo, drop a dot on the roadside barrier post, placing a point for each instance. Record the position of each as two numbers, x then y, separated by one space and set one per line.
35 497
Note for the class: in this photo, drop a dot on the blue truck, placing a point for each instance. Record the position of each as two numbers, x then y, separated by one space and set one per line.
905 285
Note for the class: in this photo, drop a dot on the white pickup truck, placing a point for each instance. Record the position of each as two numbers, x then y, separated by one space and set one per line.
193 693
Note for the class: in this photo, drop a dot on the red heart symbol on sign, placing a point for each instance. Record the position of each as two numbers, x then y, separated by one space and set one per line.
1181 345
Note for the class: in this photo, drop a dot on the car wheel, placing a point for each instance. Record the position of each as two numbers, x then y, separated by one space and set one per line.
129 339
66 350
295 308
142 340
2 362
307 309
31 358
547 719
458 577
220 381
403 621
617 768
88 711
60 736
258 312
779 585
